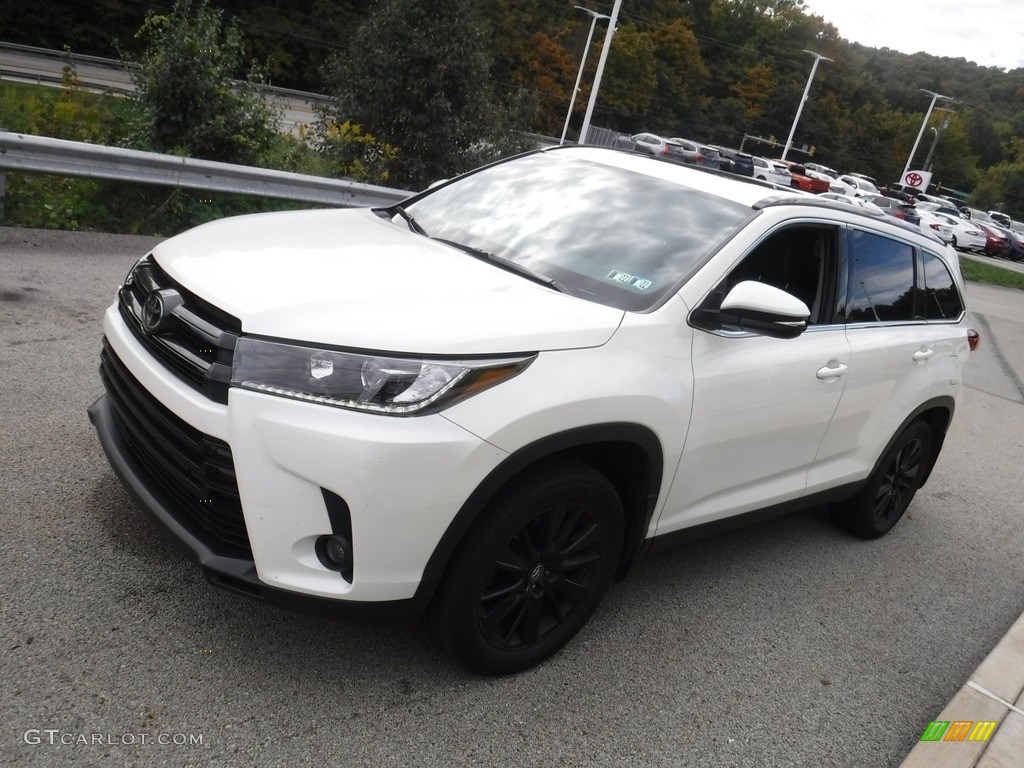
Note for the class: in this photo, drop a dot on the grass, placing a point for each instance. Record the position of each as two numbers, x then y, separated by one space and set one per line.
980 272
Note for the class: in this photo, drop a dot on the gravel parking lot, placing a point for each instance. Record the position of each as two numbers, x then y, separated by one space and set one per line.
788 643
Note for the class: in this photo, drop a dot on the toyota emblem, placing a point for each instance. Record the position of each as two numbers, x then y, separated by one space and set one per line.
157 308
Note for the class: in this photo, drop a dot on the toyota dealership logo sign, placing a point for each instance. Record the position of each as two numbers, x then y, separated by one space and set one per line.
917 179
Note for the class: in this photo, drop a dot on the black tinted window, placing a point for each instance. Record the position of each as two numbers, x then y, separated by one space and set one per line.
881 285
941 299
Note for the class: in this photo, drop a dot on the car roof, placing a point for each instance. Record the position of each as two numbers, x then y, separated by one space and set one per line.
757 195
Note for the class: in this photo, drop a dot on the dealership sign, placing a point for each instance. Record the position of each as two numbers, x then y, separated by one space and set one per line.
917 179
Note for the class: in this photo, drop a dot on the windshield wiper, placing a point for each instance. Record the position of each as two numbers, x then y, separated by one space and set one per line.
505 264
413 224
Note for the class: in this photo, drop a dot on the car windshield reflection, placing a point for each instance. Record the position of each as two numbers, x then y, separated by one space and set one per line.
608 234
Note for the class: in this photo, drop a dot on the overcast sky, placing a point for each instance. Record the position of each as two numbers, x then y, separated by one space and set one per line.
989 32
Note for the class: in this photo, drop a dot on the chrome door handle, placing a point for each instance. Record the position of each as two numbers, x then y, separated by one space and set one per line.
830 371
923 354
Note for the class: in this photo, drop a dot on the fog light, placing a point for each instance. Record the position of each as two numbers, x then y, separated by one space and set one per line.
335 552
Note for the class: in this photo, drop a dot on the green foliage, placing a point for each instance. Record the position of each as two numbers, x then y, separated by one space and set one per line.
351 152
1001 188
631 78
447 84
185 83
980 272
415 75
67 112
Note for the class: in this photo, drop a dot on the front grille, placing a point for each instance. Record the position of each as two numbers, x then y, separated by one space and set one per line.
195 340
195 471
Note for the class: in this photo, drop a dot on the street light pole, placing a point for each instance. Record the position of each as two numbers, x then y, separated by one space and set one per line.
594 16
807 89
600 70
938 132
928 114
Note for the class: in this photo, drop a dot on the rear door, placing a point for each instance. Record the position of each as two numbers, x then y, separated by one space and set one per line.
896 361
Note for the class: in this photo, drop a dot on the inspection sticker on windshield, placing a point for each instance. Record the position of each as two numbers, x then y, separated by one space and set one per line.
631 280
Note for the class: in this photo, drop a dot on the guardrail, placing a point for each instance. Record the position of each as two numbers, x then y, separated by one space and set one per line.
38 154
119 67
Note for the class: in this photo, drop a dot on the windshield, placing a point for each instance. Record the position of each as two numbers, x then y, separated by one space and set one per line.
604 233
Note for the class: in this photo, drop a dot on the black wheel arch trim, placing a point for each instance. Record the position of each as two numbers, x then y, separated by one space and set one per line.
946 403
579 441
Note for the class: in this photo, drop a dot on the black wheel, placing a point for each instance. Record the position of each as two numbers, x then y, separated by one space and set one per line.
532 570
889 491
953 241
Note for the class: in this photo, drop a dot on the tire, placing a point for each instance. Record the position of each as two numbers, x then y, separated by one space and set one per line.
952 241
880 504
531 571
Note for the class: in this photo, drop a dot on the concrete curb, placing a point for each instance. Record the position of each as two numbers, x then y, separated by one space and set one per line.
995 693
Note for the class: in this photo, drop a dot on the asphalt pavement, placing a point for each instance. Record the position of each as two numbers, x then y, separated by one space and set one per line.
787 643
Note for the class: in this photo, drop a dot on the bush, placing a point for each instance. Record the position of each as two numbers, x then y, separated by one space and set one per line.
186 87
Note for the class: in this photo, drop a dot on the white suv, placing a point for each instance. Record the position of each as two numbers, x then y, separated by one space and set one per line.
484 403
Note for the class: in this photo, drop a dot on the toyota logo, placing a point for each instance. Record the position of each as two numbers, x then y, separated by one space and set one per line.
157 308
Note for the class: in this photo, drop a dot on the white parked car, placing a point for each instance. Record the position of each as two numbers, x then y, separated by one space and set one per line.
860 202
772 170
484 402
964 234
931 222
860 184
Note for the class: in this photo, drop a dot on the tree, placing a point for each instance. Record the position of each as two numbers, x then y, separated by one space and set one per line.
416 77
184 81
755 89
631 77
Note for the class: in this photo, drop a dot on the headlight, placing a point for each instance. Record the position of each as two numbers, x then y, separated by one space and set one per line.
392 385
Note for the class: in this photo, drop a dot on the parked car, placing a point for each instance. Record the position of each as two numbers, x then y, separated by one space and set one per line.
862 184
484 412
930 222
965 234
1016 244
803 182
735 161
900 192
834 184
860 202
698 154
819 168
1001 219
652 144
1014 240
894 207
773 171
943 207
997 241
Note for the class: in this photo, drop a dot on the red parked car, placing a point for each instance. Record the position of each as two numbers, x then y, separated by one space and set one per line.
804 182
996 243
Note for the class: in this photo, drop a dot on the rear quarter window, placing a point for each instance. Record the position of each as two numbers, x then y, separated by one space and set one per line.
941 299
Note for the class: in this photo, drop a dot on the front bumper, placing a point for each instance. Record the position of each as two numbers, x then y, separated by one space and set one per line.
234 574
402 481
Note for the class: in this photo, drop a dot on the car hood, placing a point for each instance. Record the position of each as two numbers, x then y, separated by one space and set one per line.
351 278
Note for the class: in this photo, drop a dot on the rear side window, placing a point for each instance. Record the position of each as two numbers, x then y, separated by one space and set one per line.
881 281
941 299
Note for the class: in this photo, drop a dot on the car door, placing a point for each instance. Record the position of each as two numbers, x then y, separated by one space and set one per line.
761 405
896 363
